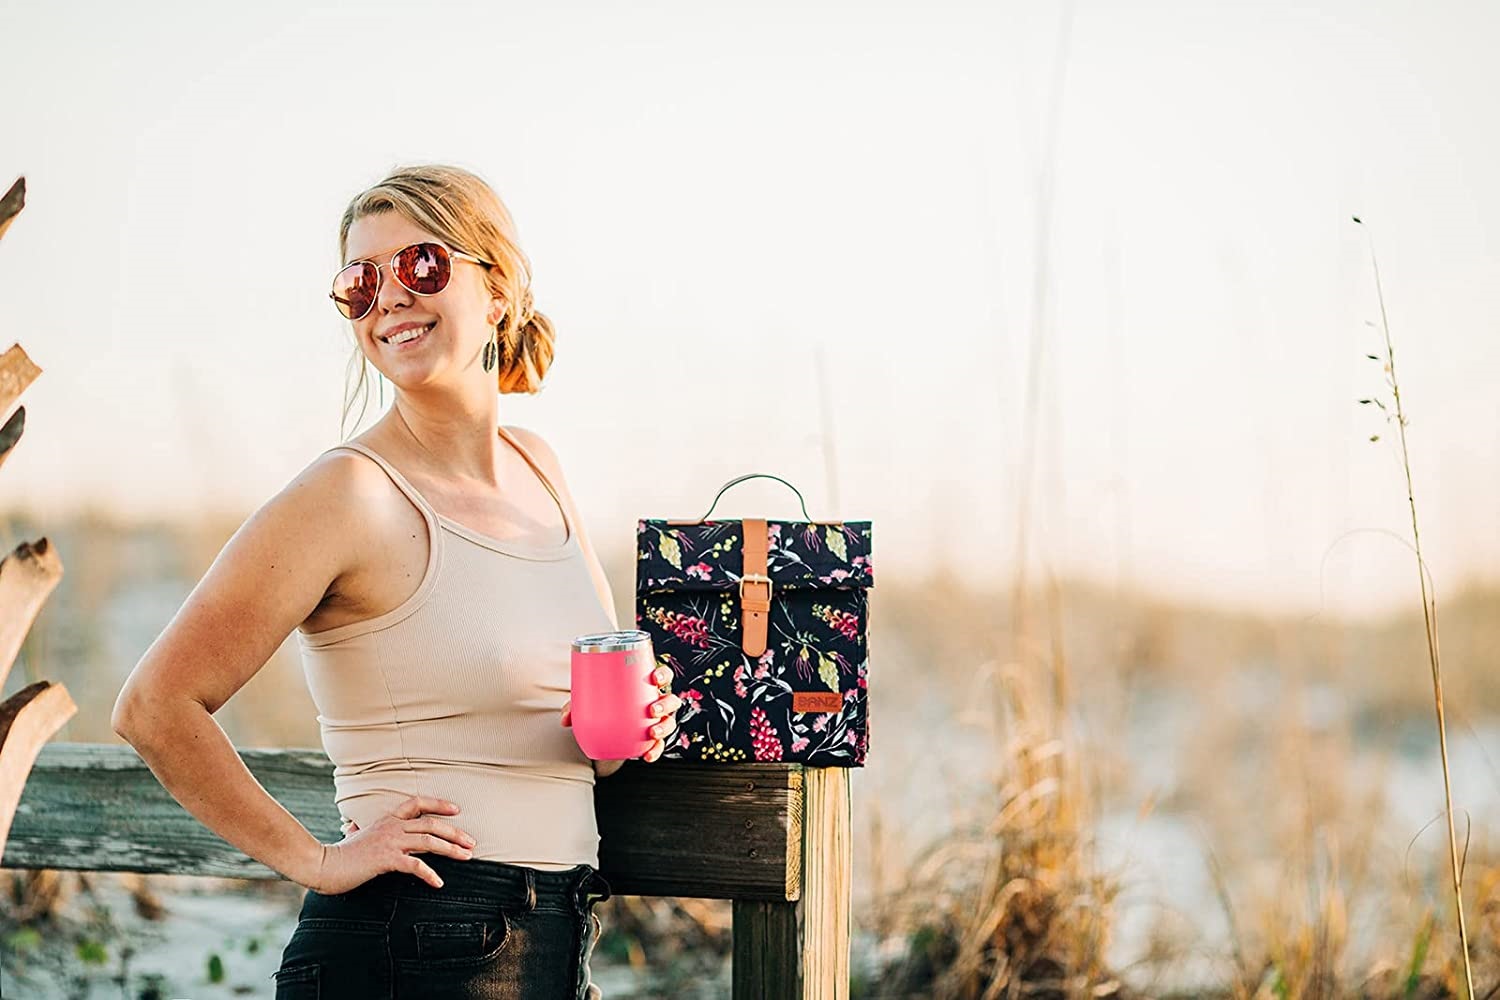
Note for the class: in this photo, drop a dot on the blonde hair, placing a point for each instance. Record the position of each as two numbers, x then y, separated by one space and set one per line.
463 211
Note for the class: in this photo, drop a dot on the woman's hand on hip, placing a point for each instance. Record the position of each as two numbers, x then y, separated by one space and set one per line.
414 827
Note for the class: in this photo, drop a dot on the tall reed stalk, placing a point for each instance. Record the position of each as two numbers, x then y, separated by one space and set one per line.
1429 617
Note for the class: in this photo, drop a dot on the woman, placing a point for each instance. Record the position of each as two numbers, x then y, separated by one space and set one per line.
435 569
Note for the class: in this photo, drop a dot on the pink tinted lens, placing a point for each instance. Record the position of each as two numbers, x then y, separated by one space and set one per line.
354 289
424 268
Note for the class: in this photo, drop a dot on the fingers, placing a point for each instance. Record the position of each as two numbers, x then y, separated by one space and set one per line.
661 676
418 804
656 750
418 868
567 712
428 843
666 706
432 825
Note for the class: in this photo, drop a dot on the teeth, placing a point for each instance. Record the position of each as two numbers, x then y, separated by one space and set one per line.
409 334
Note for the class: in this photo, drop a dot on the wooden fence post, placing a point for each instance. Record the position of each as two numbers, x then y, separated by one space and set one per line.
799 950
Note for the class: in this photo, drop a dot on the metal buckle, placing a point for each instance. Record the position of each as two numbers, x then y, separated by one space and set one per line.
755 578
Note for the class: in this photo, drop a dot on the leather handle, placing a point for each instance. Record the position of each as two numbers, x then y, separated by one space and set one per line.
753 475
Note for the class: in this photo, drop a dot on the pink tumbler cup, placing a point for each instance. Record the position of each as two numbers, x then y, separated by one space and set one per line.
613 693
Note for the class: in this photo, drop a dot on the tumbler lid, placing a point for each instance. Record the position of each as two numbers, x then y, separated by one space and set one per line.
611 642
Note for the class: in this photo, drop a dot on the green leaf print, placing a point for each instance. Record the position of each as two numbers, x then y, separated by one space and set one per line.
829 671
670 551
835 540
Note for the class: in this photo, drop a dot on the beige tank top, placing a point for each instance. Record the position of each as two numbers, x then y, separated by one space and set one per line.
457 693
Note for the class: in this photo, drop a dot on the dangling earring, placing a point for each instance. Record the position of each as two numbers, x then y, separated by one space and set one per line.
491 354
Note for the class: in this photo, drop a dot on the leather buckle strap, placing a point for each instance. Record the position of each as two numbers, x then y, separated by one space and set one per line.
756 578
754 608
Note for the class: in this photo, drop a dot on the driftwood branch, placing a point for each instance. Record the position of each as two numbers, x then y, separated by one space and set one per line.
17 371
27 576
28 719
11 432
12 203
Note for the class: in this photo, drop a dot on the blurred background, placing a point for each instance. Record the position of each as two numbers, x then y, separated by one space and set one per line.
1066 298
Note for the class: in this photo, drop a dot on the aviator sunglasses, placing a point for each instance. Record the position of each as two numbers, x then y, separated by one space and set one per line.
421 268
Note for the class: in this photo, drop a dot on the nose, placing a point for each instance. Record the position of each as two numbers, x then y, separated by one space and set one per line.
391 292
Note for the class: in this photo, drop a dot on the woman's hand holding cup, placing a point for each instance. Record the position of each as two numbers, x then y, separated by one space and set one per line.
663 711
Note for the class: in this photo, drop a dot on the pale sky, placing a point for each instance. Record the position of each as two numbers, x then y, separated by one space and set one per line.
716 199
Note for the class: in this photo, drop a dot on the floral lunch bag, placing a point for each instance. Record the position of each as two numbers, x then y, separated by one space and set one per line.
765 626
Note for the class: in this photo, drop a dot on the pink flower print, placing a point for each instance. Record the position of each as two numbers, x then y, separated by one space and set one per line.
740 673
698 570
851 694
682 740
850 737
799 744
811 540
842 622
763 738
863 683
762 669
821 722
692 695
690 629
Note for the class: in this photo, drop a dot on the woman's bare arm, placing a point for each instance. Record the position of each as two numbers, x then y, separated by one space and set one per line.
267 579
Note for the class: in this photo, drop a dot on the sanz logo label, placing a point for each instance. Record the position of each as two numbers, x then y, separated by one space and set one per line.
817 701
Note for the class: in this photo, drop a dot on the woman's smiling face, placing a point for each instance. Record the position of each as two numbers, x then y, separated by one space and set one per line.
456 322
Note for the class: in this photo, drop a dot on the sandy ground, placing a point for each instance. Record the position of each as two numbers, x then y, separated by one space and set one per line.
243 925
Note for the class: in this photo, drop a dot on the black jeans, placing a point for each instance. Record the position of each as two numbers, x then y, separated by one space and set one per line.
492 932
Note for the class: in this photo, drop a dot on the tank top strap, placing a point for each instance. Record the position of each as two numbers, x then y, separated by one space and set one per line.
542 475
401 482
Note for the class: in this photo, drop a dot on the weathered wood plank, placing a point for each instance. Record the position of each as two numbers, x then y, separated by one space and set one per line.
28 719
98 807
766 949
720 831
669 828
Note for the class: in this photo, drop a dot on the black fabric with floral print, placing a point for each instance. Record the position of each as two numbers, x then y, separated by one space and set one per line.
739 708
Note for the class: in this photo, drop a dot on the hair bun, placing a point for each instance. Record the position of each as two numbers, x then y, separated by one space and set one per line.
528 350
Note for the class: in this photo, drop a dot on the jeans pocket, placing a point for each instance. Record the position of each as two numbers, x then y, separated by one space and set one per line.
298 982
459 944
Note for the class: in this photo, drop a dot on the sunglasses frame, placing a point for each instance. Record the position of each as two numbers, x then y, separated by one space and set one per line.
391 263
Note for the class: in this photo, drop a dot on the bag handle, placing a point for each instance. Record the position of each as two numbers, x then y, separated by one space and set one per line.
753 475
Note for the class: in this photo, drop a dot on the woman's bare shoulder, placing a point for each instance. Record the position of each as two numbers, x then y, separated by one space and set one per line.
344 496
542 452
335 480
